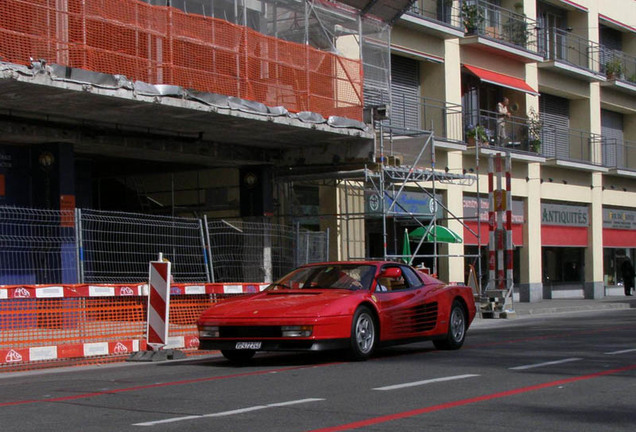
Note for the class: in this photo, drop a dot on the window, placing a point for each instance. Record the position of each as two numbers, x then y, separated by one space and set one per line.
407 280
413 279
405 92
563 264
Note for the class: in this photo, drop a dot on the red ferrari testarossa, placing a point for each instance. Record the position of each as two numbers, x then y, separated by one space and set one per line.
353 306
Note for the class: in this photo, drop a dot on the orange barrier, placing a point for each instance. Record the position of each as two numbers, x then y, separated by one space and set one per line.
163 45
44 324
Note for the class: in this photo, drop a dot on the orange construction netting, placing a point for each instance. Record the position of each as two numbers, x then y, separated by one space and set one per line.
41 332
163 45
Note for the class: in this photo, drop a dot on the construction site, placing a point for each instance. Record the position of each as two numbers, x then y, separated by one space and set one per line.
134 128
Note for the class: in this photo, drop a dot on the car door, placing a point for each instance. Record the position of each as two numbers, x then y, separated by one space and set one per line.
404 312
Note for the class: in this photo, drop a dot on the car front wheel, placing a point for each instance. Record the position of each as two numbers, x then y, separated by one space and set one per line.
363 334
456 334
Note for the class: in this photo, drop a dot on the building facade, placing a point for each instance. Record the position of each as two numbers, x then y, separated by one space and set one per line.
174 107
568 70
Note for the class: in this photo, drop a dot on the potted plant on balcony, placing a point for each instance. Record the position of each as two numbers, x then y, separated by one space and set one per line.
516 28
472 17
613 68
534 131
476 134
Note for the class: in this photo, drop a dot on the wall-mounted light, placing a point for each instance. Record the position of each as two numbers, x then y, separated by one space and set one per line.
46 159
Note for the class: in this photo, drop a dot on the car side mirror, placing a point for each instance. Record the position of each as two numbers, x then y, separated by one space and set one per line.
391 273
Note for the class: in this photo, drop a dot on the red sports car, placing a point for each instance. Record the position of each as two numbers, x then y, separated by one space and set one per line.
355 306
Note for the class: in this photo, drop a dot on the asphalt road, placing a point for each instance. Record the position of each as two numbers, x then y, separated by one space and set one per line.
574 372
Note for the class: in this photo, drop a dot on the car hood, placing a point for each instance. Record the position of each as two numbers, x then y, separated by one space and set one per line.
273 304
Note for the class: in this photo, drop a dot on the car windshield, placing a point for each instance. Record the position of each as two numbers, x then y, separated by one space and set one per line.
336 276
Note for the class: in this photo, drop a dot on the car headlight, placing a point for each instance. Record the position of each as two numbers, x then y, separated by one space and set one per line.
209 332
297 331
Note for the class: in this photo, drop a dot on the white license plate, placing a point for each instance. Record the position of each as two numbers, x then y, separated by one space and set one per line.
248 345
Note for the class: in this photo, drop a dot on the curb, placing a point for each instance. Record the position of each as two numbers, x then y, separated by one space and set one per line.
527 310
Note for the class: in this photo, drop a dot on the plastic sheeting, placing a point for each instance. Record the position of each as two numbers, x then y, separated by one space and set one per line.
115 82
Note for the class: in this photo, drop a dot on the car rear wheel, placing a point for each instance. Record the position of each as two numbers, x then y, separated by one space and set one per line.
238 356
363 334
456 334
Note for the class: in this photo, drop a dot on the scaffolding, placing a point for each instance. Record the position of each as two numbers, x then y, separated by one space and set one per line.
311 55
384 185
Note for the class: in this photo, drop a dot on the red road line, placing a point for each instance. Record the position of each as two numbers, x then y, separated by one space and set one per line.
440 407
151 386
193 381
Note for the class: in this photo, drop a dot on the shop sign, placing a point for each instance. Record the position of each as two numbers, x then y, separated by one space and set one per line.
619 219
417 203
564 215
470 210
6 160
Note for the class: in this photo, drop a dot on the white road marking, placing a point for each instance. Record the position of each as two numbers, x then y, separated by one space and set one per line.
621 352
536 365
430 381
228 413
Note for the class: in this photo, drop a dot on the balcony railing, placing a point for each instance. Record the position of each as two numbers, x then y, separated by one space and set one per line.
441 11
618 65
485 19
513 133
416 114
619 154
563 46
570 145
532 135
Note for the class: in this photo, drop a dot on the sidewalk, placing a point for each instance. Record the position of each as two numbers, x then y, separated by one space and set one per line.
546 307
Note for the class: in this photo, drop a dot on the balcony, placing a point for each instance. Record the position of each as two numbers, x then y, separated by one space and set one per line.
620 155
440 18
571 147
571 54
619 68
493 28
522 134
530 136
410 116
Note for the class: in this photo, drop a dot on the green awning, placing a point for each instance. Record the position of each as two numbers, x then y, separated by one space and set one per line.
438 233
406 247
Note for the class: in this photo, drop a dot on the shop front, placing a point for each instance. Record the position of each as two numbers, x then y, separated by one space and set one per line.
619 245
476 234
407 210
564 237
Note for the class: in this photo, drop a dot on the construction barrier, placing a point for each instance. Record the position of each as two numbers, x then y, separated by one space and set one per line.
164 45
44 324
158 304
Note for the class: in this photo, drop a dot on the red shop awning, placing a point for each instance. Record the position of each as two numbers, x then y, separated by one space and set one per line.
556 235
471 239
619 238
501 80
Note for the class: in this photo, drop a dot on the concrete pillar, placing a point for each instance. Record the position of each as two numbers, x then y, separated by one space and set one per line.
455 205
531 280
594 287
350 225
